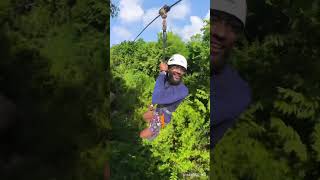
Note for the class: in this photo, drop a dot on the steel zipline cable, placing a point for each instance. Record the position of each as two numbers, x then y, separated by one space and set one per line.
167 10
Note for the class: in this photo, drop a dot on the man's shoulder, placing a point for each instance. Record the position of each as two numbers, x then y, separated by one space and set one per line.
184 88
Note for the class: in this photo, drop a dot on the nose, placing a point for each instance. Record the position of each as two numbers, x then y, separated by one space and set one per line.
219 30
178 72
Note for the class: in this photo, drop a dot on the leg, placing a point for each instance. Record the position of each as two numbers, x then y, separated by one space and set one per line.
146 133
148 116
154 128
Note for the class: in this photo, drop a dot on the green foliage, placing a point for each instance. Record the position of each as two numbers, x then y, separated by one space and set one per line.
181 149
54 70
287 139
296 104
256 162
316 142
183 143
174 45
91 163
278 135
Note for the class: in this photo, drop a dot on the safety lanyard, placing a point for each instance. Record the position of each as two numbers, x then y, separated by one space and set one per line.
163 13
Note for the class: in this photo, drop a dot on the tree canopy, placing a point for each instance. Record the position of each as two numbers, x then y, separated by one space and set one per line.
278 136
53 66
182 148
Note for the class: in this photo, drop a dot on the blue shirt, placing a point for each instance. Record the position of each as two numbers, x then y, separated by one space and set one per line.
229 97
167 95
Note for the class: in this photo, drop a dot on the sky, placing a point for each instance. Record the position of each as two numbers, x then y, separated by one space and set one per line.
184 19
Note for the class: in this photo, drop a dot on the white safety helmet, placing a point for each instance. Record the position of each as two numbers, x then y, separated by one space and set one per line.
178 59
237 8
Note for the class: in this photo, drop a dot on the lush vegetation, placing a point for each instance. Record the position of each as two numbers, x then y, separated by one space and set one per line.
54 68
182 148
54 57
278 136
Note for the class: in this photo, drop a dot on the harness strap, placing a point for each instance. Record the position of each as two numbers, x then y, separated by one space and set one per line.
163 13
167 111
163 110
162 120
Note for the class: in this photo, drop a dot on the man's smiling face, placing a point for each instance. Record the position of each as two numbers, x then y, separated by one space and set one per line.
224 32
175 74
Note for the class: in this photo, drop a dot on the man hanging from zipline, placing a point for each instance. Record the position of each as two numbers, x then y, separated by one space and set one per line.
168 93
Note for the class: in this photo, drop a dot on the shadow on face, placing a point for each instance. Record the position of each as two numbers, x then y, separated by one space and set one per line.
224 30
